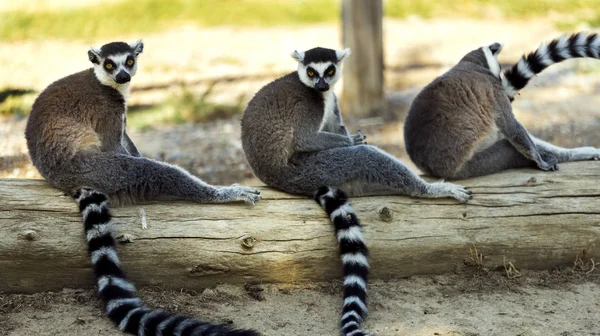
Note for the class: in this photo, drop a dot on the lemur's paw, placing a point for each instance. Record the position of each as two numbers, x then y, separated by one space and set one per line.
445 189
359 138
247 194
550 165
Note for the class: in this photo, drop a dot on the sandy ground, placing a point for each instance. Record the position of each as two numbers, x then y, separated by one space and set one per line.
470 303
560 106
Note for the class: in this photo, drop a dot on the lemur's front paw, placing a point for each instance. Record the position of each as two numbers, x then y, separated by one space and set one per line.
550 165
445 189
247 194
359 138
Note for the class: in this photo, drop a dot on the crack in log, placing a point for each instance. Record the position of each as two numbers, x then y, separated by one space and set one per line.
234 238
506 193
572 196
40 210
270 251
413 238
541 214
504 186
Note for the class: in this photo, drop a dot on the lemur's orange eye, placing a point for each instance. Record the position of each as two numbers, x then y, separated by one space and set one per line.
108 66
310 73
330 72
130 62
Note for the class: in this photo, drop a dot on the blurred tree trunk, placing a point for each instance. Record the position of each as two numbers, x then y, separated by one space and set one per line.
362 32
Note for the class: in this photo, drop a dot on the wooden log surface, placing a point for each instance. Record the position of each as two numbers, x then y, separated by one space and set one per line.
534 219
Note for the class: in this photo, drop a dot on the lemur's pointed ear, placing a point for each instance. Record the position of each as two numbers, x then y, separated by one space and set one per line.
342 54
298 55
94 55
138 47
495 48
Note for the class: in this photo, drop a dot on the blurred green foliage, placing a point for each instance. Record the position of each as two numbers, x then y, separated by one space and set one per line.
16 101
130 17
144 16
184 106
517 9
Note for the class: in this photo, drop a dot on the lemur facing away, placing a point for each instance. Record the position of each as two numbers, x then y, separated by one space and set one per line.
461 125
76 138
294 138
122 304
353 251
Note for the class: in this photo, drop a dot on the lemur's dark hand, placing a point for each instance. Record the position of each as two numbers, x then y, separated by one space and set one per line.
359 138
550 165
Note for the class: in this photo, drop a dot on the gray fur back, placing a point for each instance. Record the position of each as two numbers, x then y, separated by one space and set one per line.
73 114
268 125
452 114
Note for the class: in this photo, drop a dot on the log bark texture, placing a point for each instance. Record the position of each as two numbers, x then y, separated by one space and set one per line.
534 219
362 32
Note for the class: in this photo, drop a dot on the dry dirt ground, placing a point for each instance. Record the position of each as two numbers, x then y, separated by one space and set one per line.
472 302
560 106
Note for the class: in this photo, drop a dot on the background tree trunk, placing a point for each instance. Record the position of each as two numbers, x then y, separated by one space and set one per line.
363 94
534 219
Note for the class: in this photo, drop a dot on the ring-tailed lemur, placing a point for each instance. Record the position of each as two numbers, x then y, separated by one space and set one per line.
294 138
354 252
122 305
76 138
461 125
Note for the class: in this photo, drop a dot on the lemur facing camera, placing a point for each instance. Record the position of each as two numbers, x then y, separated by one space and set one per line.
76 138
295 141
461 125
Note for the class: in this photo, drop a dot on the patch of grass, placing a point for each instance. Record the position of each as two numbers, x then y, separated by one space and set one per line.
516 9
587 66
144 16
16 101
186 106
130 17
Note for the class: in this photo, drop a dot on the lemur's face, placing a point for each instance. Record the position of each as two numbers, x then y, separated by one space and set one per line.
320 68
115 63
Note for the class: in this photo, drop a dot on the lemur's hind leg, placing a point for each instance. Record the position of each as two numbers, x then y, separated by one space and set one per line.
127 179
365 166
500 156
565 154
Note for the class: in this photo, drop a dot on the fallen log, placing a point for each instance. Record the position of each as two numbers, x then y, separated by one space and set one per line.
534 219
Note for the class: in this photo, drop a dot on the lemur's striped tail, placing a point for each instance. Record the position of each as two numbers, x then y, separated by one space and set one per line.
353 251
123 306
575 46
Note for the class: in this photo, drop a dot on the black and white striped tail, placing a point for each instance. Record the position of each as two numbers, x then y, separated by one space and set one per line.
123 306
565 47
353 251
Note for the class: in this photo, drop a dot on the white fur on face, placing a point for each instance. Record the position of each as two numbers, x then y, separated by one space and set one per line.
109 78
320 69
492 61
